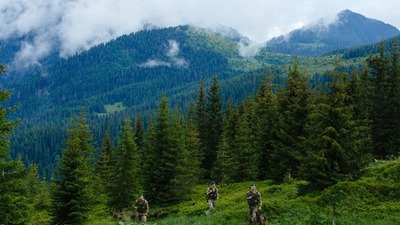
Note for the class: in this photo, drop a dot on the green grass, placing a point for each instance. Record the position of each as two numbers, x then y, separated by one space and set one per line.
112 108
370 200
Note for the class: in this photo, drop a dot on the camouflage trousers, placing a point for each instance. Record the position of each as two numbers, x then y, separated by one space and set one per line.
253 215
211 204
141 218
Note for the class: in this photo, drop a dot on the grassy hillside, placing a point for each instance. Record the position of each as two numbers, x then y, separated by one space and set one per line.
371 200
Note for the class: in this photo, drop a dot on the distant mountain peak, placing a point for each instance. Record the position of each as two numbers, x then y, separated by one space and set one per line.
346 29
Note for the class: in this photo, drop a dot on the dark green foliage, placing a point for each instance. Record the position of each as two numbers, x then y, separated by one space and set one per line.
335 143
73 197
167 178
385 105
267 124
139 133
213 111
287 147
14 204
125 177
104 163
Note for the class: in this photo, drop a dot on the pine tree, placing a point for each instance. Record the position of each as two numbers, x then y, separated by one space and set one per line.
266 127
13 199
294 109
381 108
125 172
166 173
394 95
335 143
213 125
201 121
224 161
139 133
244 155
104 163
193 145
73 196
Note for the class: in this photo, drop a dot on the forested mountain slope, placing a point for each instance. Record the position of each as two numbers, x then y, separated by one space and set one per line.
349 29
128 76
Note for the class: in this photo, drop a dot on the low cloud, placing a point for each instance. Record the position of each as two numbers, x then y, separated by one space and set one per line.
67 27
249 48
154 63
173 59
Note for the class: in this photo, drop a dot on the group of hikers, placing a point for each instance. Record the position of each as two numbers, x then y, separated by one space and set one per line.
253 198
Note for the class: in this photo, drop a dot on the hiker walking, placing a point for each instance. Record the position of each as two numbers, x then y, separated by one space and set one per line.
212 197
142 209
254 201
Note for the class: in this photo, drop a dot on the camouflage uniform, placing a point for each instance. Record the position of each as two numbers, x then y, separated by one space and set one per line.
254 201
142 209
212 197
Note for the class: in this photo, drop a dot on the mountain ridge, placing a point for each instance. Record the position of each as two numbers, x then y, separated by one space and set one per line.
348 30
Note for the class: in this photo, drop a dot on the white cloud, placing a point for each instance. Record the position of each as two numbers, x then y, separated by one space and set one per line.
70 26
173 59
154 63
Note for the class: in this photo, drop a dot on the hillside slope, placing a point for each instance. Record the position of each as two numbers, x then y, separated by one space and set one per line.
348 30
371 200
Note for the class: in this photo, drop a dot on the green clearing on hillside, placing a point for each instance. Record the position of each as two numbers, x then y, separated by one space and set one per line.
112 108
371 200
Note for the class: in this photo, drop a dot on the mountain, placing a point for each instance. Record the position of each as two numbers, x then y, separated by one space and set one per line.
348 30
128 75
125 76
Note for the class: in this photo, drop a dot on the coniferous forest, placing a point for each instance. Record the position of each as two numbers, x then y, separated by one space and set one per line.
317 136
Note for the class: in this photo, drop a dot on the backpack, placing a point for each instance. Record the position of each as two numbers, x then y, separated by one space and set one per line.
212 195
254 200
141 206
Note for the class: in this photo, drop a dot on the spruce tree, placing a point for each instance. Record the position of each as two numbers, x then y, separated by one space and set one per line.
288 148
72 199
104 163
213 125
125 178
267 113
139 133
394 95
381 108
165 160
13 199
224 161
201 122
245 159
335 142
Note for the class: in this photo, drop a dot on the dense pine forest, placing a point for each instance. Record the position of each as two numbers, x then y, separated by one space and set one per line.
290 131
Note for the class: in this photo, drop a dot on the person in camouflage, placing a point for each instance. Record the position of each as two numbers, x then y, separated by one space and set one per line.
212 197
254 201
142 209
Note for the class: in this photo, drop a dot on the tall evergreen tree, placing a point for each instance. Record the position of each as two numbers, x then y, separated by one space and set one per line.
104 163
125 172
193 145
165 160
213 125
73 196
394 95
267 107
245 159
381 108
201 122
224 161
294 108
335 143
13 199
139 133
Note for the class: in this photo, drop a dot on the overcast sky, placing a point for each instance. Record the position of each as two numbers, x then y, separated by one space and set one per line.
75 25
